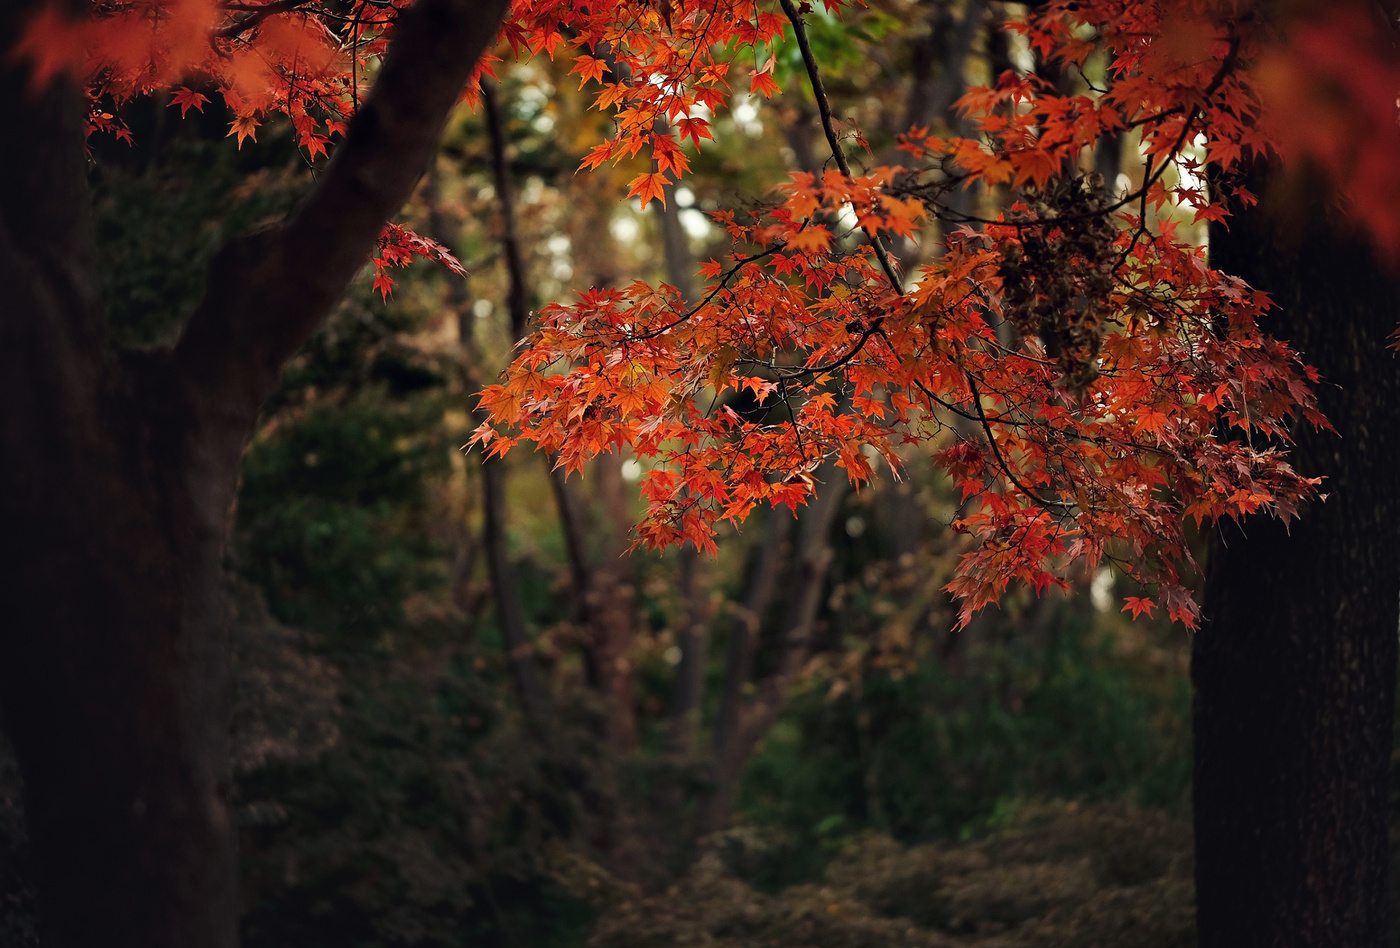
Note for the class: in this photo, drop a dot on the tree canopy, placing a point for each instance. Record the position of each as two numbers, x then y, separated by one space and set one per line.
1087 380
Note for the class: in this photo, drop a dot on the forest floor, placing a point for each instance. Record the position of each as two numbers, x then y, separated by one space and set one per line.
1106 875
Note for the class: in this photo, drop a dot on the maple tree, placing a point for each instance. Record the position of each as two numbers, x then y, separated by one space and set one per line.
1120 388
1091 384
1099 419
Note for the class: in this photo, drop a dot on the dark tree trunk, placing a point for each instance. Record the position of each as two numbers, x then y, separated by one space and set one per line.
114 676
113 496
117 476
1294 666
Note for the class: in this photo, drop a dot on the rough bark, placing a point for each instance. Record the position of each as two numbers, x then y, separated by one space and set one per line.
115 495
1294 666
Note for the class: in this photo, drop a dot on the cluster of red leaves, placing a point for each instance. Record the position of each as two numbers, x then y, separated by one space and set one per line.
297 59
848 364
661 67
1088 382
1312 83
1329 89
398 247
305 60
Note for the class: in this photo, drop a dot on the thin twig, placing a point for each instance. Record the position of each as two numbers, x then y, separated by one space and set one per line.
739 264
1041 502
824 110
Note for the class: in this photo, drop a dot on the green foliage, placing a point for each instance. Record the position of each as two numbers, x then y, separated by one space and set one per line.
334 521
840 44
330 513
939 754
389 794
160 220
409 810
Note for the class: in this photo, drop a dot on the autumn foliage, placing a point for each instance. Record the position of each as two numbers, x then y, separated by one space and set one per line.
1093 387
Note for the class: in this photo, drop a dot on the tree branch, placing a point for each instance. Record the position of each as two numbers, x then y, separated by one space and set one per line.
269 290
809 59
254 14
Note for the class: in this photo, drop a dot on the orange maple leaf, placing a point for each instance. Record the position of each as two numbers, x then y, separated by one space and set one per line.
694 129
813 239
244 126
1137 605
765 83
589 68
647 186
187 99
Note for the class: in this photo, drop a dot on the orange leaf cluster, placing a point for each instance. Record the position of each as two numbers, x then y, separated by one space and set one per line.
302 60
398 247
661 69
1088 382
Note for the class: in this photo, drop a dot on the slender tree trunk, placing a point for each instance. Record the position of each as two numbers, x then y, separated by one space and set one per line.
744 630
691 626
603 594
515 636
1294 666
743 723
691 639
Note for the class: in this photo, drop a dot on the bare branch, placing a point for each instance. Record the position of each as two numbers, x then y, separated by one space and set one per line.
254 14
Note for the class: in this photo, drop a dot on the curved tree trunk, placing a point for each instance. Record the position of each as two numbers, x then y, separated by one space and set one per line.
116 486
1294 666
